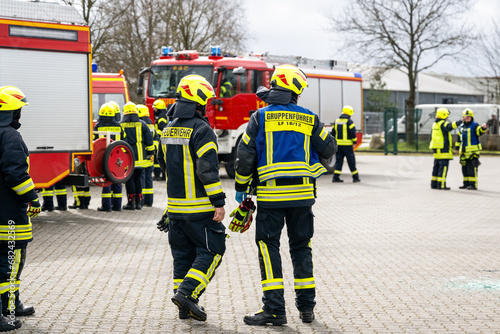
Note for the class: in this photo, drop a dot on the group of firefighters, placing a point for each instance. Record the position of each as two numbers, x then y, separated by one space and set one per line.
279 161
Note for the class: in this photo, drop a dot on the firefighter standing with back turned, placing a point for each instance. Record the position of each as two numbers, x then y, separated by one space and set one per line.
147 176
195 197
19 204
283 143
344 132
441 144
469 148
161 121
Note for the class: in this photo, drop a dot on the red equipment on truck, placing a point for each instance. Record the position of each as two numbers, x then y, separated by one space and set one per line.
236 80
45 50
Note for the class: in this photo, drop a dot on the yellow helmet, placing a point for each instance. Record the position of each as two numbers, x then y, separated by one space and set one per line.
289 77
159 104
129 108
348 110
142 110
467 112
442 113
11 98
107 109
195 88
116 106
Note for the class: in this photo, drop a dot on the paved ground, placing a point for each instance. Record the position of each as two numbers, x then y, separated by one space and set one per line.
391 256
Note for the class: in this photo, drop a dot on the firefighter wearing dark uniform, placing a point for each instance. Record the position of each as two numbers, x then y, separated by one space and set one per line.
137 134
195 197
59 189
281 148
469 148
111 196
344 132
161 121
147 176
441 144
19 204
81 196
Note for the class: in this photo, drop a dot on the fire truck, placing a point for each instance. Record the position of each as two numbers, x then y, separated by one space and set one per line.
236 80
45 51
108 87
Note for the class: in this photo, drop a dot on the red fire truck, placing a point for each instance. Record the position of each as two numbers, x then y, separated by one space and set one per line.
108 87
45 51
236 80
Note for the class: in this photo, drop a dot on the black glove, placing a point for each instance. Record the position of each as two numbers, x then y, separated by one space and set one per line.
163 225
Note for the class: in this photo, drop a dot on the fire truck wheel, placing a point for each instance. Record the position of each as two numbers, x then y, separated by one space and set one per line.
118 162
329 164
231 172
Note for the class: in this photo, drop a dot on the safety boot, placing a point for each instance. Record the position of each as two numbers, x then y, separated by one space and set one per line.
21 310
8 324
356 180
337 179
190 306
183 314
131 203
47 208
262 318
307 316
138 201
61 208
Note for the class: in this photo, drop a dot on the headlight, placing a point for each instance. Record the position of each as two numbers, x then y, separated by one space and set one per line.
77 162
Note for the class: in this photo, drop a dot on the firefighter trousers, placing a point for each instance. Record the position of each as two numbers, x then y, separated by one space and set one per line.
348 153
300 228
469 171
147 185
134 184
439 173
111 197
12 259
61 193
197 247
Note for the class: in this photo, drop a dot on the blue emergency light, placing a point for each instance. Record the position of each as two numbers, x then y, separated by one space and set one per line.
166 51
216 51
94 68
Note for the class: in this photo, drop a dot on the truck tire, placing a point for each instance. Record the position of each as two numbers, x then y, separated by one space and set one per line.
329 164
118 162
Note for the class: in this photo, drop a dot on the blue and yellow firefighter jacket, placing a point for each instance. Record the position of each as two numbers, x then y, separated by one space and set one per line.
16 186
468 142
109 124
344 131
281 148
139 137
190 147
441 142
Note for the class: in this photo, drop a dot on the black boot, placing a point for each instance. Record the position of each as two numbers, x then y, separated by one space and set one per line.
263 318
337 179
307 316
8 324
74 206
138 201
189 306
20 311
131 203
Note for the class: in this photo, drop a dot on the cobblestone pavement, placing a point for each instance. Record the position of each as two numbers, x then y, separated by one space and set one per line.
390 254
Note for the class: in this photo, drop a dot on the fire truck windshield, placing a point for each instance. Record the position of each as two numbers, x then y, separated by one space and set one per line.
163 80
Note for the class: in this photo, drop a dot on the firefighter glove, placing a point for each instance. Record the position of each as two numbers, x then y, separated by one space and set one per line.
163 225
34 208
240 196
242 216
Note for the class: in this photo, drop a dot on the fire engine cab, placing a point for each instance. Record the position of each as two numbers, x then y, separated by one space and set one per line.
45 51
236 79
108 87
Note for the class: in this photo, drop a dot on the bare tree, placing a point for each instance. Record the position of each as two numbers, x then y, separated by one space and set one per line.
404 34
488 63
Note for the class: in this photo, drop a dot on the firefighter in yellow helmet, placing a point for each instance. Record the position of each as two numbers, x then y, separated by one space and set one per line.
139 137
344 132
441 144
111 196
196 200
469 147
281 148
147 176
161 121
19 204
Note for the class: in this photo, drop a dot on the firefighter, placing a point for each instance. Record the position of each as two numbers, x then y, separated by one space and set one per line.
59 189
137 134
469 147
281 147
116 106
344 132
161 121
111 196
19 204
147 176
196 200
441 144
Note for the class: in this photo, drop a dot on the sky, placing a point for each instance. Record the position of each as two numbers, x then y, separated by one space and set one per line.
299 28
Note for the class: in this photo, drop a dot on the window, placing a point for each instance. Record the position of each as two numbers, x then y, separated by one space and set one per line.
163 80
